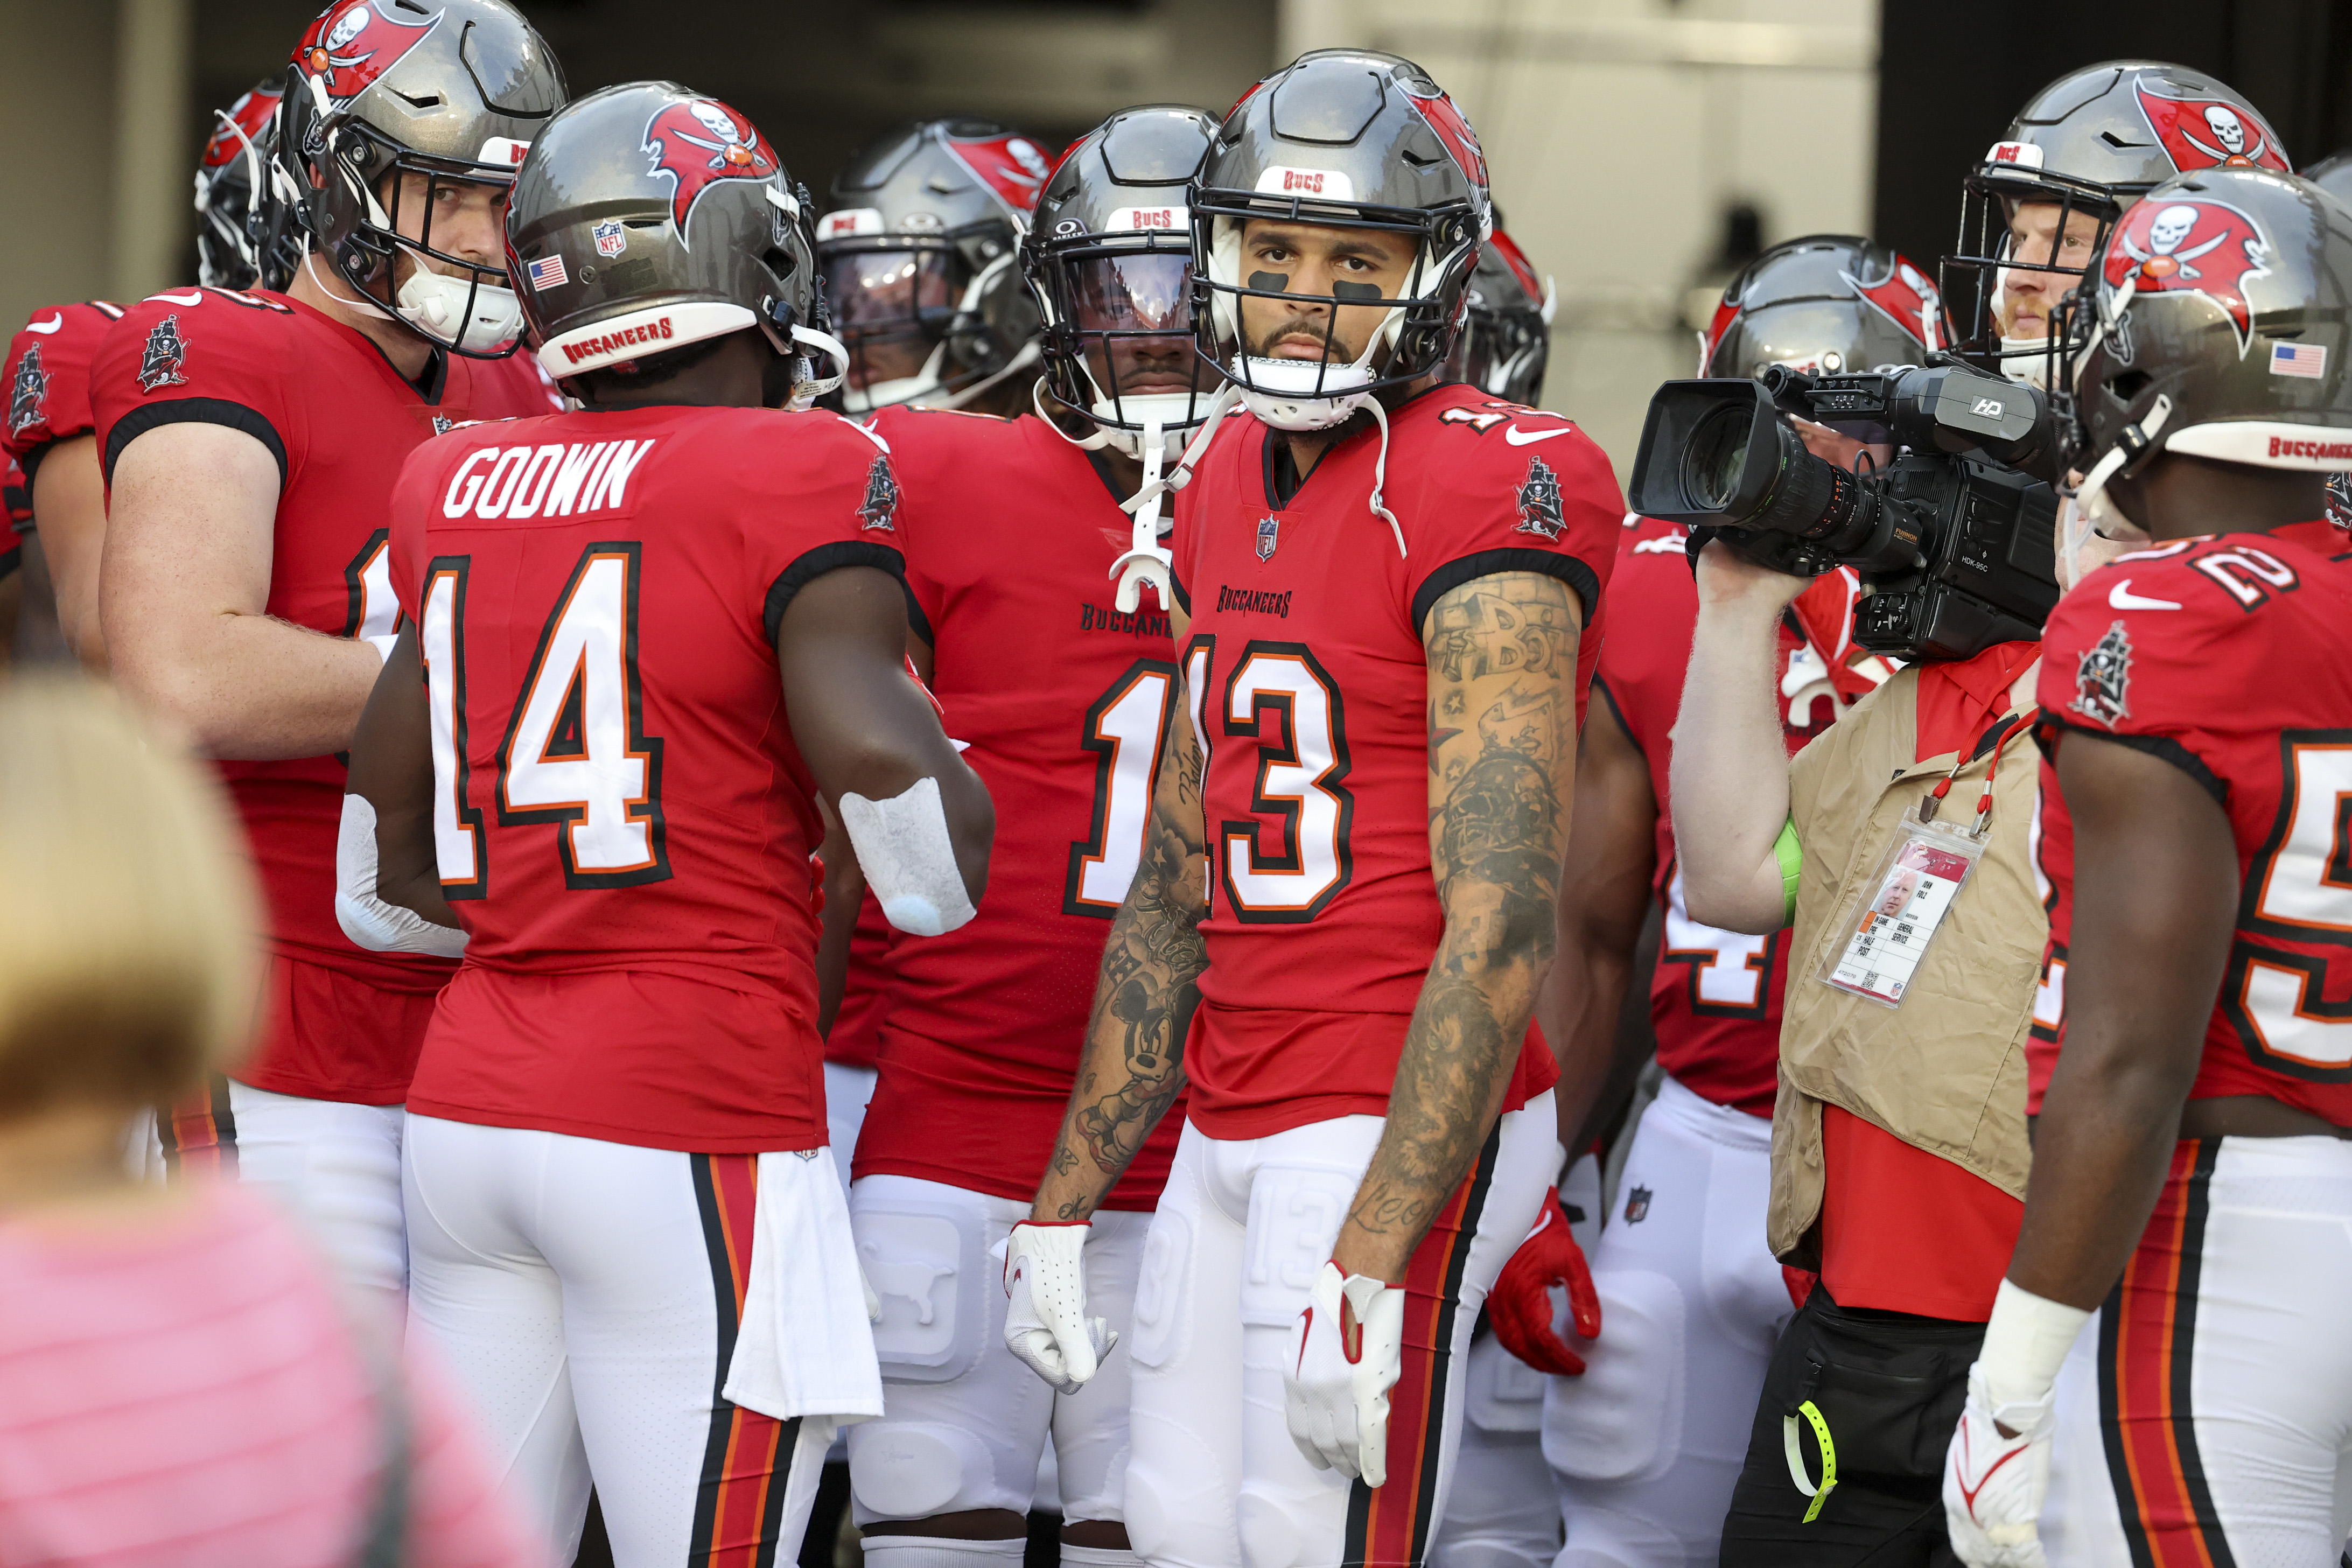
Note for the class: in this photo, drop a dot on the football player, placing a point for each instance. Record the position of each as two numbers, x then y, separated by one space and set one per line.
921 267
1648 1443
1506 340
1063 702
1385 589
250 440
649 632
2191 1191
243 237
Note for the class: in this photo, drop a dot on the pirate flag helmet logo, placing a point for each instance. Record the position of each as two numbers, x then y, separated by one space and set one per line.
2103 678
28 394
166 352
2189 245
2205 134
1011 166
1905 295
699 143
881 503
1540 509
349 47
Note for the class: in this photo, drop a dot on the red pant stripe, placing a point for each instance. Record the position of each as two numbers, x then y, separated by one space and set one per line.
739 1503
199 1132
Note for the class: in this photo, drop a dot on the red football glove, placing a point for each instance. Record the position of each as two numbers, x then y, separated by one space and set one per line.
1520 1304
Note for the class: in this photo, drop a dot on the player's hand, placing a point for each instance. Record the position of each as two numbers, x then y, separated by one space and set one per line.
1520 1306
1347 1351
1994 1484
1045 1321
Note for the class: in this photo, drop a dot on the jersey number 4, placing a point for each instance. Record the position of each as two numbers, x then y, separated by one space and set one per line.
2299 889
575 752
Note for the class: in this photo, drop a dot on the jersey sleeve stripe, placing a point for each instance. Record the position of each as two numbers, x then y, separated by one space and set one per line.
832 557
1493 562
1617 712
1183 595
2048 727
194 411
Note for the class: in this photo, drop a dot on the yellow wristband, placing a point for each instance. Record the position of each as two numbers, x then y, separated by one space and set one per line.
1791 857
1821 1494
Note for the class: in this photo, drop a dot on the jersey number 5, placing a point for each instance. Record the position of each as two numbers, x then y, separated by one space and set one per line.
575 752
2299 889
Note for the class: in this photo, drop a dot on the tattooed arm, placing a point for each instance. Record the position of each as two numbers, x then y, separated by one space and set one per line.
1133 1066
1502 760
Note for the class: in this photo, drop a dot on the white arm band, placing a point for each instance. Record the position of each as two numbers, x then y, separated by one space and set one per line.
365 918
2024 1342
909 858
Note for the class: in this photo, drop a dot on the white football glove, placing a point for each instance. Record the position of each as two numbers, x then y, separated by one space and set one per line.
1045 1321
1994 1485
1347 1351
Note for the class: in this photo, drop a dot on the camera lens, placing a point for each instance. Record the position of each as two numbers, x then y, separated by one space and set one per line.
1717 452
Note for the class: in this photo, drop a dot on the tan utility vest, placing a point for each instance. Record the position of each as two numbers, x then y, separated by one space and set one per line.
1945 1071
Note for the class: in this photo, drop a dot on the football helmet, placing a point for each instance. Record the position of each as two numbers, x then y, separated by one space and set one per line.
2214 326
1109 257
1506 339
1345 138
649 217
1827 304
244 236
385 89
921 256
2091 143
2333 175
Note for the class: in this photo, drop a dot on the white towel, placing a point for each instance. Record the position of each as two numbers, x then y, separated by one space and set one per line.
805 1347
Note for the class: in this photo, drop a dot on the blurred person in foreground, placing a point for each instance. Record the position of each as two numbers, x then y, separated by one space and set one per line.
182 1381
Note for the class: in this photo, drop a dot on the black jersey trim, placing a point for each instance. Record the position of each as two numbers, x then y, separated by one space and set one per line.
917 622
832 557
1183 597
1489 563
30 462
194 411
2161 747
9 561
1617 711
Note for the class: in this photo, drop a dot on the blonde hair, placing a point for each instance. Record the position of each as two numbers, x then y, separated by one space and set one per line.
128 916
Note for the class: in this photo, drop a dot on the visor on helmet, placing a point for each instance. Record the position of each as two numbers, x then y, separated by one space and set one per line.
464 306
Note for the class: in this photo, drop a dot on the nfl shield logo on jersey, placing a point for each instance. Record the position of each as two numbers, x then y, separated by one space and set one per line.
611 238
1267 527
2102 679
166 350
1637 1206
1539 512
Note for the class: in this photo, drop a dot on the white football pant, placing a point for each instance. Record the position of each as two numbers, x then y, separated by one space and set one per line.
1647 1444
964 1420
2205 1412
1242 1230
847 1093
587 1295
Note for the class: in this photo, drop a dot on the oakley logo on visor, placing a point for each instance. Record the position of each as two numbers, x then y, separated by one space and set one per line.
1330 185
1127 218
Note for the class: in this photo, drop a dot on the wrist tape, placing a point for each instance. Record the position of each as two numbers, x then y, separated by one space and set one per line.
909 858
365 918
2026 1339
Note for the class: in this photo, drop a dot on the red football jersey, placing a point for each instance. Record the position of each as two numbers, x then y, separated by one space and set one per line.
622 822
338 419
1715 997
16 517
1061 703
852 1042
48 376
2220 655
1307 681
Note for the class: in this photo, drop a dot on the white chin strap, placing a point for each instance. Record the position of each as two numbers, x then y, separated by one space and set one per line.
438 305
1303 395
2133 441
2026 360
1172 412
809 386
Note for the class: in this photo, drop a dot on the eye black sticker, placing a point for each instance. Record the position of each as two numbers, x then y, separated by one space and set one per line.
1355 292
1270 283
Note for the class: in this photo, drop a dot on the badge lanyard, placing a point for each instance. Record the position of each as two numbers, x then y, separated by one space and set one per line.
1918 882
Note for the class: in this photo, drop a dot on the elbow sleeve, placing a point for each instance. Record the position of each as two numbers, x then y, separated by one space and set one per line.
908 858
365 918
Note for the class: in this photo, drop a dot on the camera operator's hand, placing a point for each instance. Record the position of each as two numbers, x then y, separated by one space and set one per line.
1729 580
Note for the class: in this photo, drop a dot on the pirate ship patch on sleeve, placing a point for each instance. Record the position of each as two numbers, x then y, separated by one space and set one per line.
2103 677
164 362
1539 507
881 504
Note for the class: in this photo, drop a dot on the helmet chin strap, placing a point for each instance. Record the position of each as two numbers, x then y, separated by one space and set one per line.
364 306
809 386
2131 444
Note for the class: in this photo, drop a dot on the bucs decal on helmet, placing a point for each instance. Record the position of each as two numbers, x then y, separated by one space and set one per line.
700 142
1451 128
881 503
242 123
1011 166
2207 246
1907 295
28 394
349 47
2199 133
2103 678
160 366
1539 512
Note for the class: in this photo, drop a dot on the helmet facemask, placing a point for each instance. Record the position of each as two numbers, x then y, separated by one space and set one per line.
914 311
1118 339
1989 255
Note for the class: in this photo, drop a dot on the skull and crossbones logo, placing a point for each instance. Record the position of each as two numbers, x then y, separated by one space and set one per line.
2165 258
2229 145
732 150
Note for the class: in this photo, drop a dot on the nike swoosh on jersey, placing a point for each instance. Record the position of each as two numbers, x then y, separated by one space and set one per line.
51 325
1519 437
194 297
2121 598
